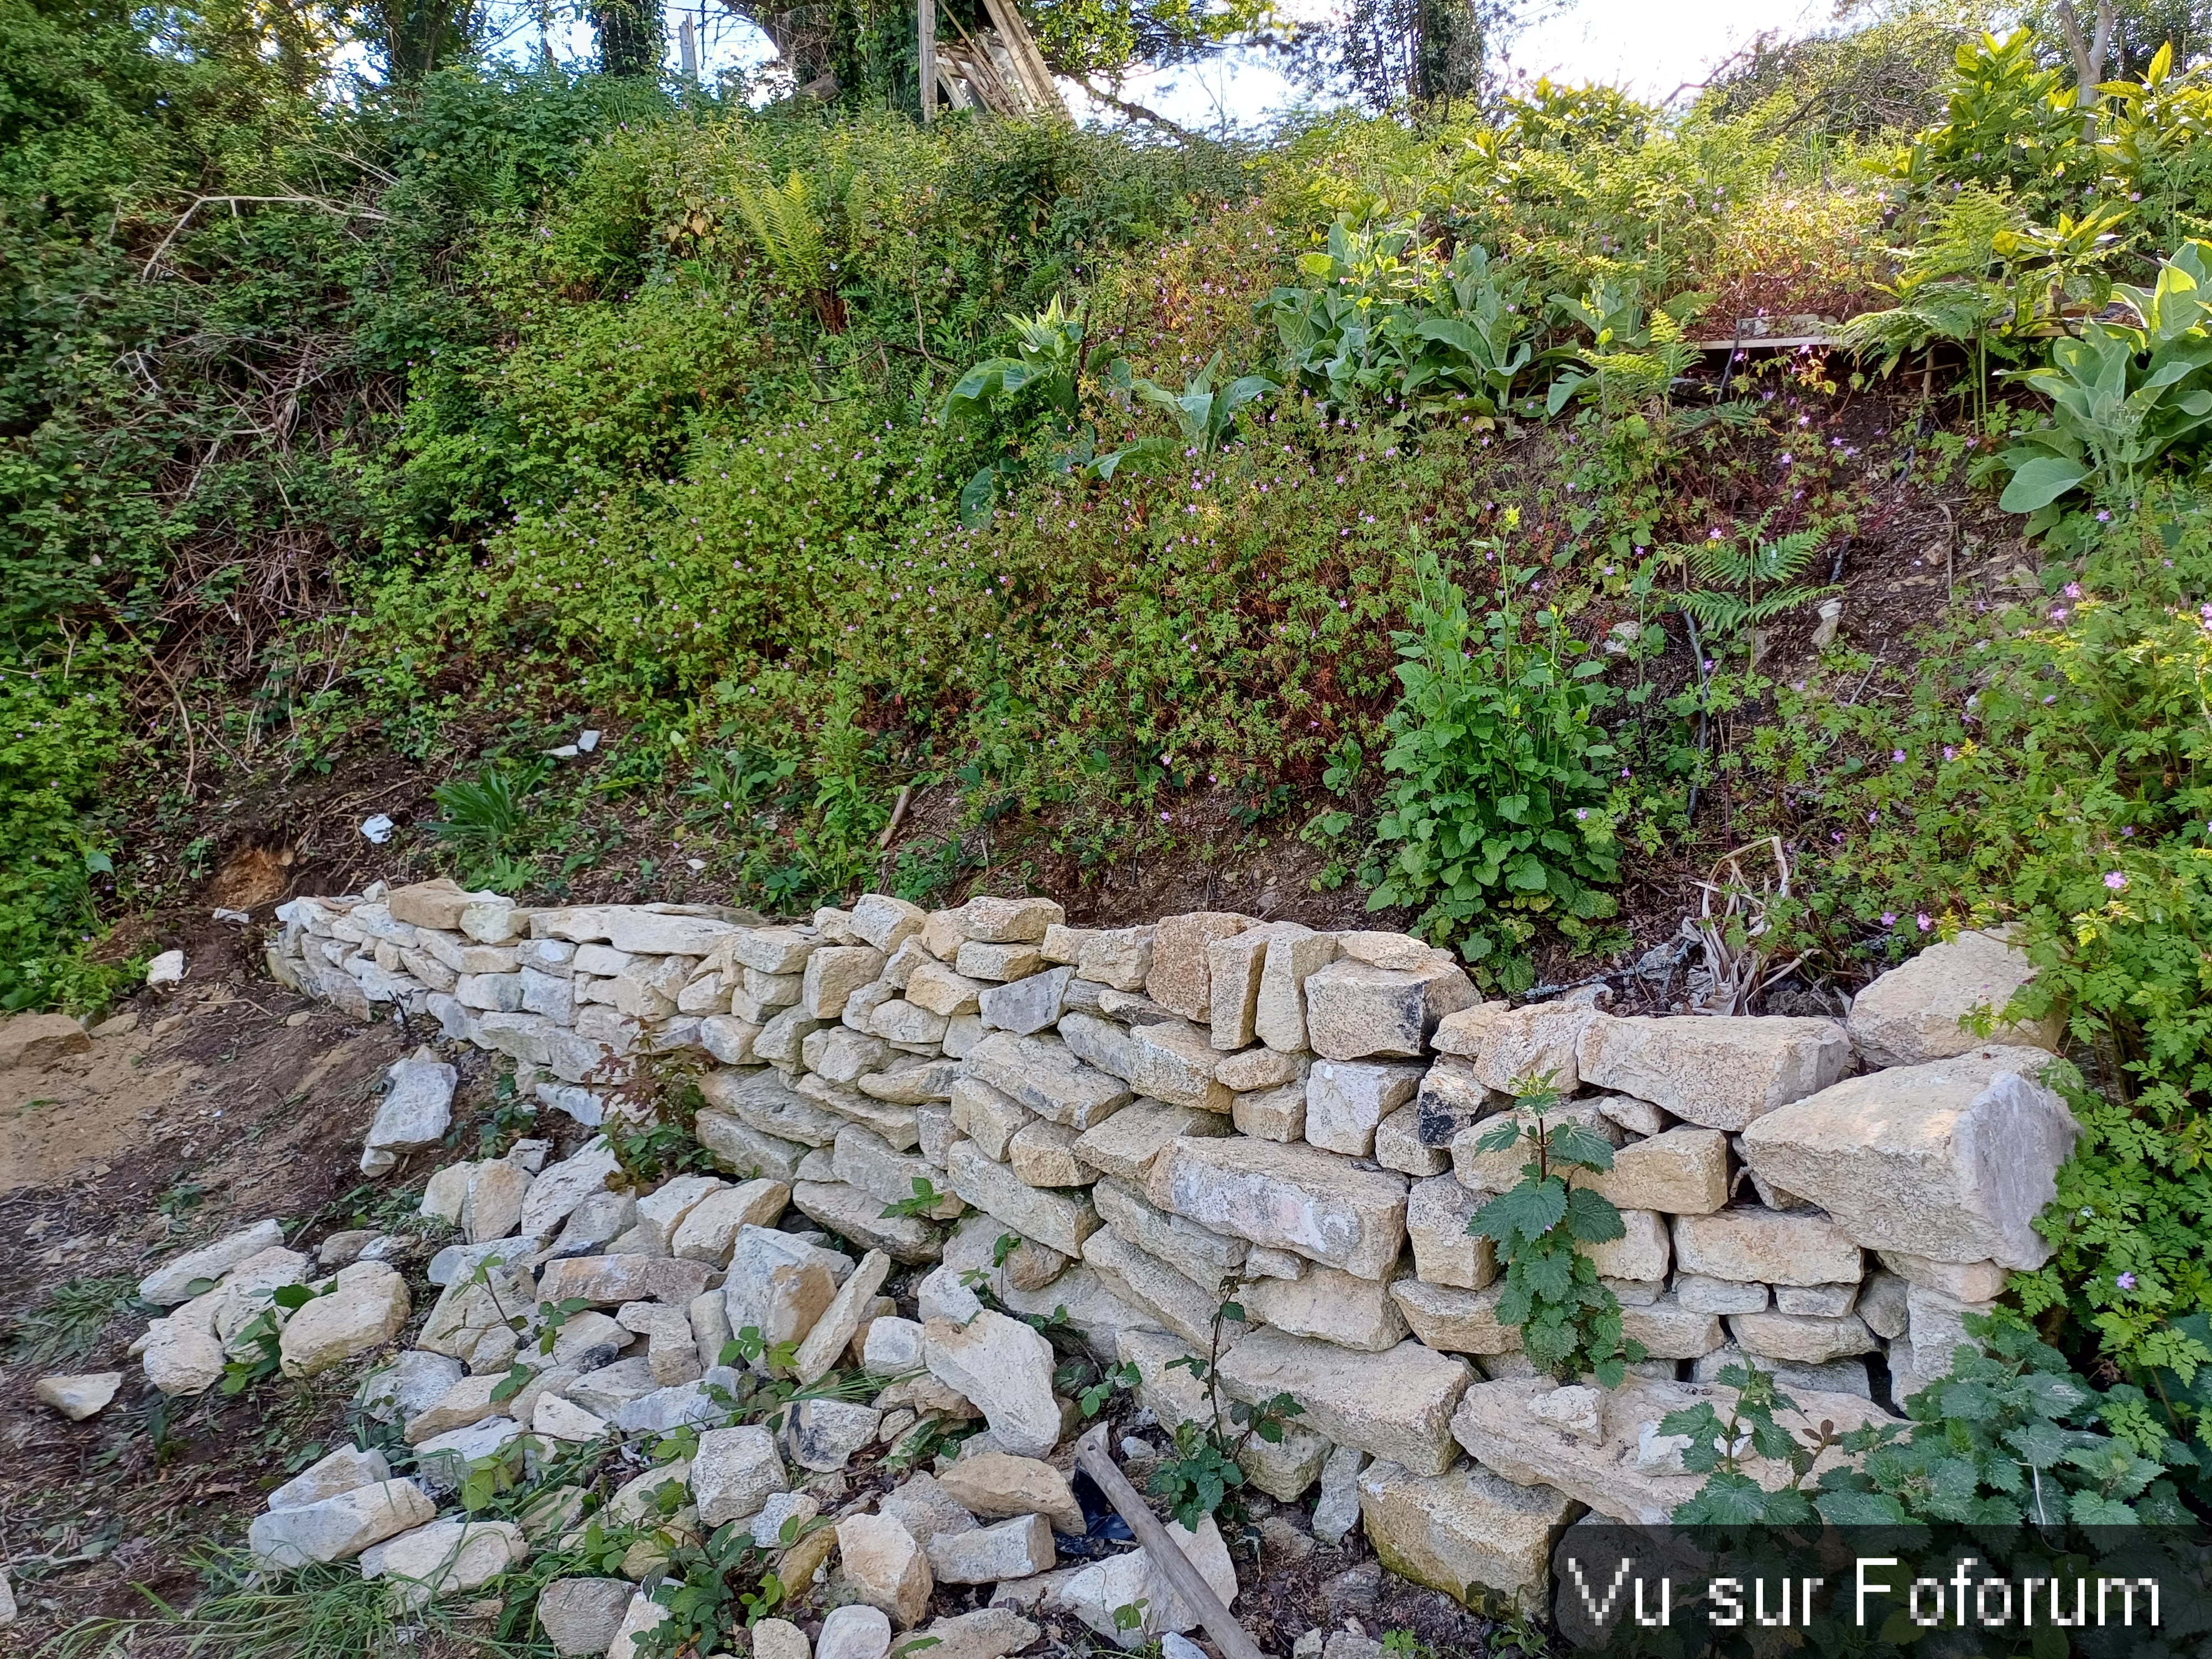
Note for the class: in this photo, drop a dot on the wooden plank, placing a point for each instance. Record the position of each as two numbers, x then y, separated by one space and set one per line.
926 24
1040 92
1231 1637
1758 342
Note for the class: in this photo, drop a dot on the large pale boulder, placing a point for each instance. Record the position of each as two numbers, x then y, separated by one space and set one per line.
1805 1339
1951 1159
1040 1074
1455 1321
418 1106
780 1285
1668 1330
1917 1011
855 1630
866 1160
1126 1143
1437 1213
1395 1404
1294 1198
840 1323
1642 1252
1018 1549
1356 1010
735 1471
1198 1254
434 904
1061 1218
1005 1368
1510 1049
1681 1171
174 1281
1173 1061
859 1216
445 1558
1278 1017
1465 1530
1182 1305
887 1569
78 1397
581 1615
1347 1100
36 1040
709 1231
986 1633
1626 1473
996 1485
561 1188
608 1281
1180 979
1337 1307
992 921
1720 1072
365 1309
1095 1593
339 1528
1234 966
180 1358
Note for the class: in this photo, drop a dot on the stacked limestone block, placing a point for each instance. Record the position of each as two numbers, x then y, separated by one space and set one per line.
1164 1118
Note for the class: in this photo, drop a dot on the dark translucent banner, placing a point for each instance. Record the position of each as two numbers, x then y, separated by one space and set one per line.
1931 1592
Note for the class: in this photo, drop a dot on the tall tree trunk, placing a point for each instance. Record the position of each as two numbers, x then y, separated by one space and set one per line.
2088 51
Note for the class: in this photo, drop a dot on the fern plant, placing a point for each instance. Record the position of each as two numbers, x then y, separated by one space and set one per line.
1749 580
783 220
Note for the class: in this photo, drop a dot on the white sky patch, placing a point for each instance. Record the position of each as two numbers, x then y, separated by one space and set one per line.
1650 50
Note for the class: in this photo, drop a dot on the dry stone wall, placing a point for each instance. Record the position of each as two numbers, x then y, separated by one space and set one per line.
1164 1116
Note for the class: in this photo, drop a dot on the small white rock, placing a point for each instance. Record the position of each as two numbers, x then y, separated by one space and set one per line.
79 1397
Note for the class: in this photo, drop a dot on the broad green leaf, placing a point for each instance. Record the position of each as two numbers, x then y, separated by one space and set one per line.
2040 481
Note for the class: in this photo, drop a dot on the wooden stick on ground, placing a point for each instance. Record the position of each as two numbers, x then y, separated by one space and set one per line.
1092 1458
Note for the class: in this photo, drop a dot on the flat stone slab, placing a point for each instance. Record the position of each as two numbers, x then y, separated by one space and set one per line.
1917 1010
1721 1072
1296 1198
1395 1404
1625 1475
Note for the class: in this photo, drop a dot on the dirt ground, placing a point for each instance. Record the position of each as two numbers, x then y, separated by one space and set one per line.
229 1100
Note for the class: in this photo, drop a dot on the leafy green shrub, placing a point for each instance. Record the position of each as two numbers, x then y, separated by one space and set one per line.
2122 396
2047 766
1495 813
487 816
1203 1475
1569 1322
1389 316
2005 1439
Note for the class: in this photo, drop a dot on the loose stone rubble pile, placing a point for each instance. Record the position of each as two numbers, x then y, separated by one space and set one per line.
1143 1122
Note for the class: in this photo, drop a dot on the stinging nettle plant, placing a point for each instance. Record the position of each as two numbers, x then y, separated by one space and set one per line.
1494 813
1569 1321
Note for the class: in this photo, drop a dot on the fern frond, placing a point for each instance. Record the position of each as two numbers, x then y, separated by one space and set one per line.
782 220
